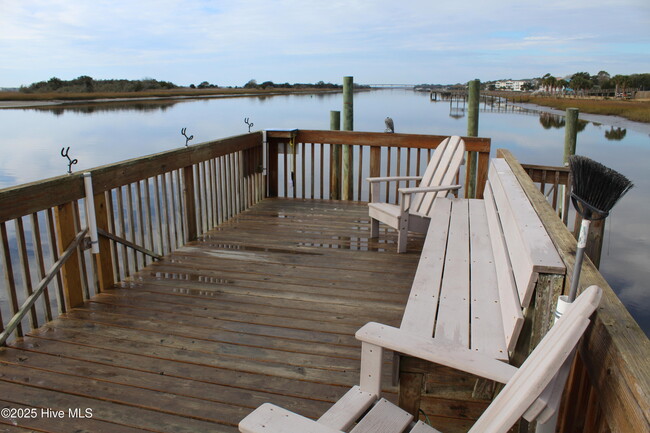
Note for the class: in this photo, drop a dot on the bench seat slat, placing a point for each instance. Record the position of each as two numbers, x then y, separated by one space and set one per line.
347 409
420 312
452 323
511 313
384 417
522 265
487 335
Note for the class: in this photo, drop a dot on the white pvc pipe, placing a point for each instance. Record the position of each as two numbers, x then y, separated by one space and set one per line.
90 213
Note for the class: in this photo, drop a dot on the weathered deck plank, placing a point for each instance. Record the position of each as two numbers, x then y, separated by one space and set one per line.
262 308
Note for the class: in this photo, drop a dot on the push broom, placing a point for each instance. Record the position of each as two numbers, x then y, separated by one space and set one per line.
596 189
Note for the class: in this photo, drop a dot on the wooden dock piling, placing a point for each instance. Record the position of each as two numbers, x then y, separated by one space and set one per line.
348 125
472 131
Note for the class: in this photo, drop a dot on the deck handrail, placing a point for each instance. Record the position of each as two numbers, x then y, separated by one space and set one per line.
152 205
374 154
611 384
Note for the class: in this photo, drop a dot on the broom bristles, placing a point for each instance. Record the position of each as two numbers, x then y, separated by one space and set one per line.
598 186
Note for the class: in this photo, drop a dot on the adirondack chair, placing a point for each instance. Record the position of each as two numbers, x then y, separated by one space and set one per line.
415 204
520 396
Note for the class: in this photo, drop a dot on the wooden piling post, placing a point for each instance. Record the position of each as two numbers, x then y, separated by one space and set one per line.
335 158
348 125
473 95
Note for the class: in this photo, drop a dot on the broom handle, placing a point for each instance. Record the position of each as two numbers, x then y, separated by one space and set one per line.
580 255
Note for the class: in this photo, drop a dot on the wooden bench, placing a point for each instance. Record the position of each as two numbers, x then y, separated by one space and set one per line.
481 264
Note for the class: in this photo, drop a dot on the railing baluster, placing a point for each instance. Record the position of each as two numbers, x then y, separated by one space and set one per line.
149 243
303 177
24 268
40 263
132 223
167 224
140 219
51 236
285 168
10 282
398 169
159 208
359 173
387 186
180 209
213 194
122 231
322 171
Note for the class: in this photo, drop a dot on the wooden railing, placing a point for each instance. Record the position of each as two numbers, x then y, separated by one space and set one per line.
554 183
148 207
609 389
145 208
306 165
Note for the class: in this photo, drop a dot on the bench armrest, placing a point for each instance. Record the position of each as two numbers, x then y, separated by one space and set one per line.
392 178
417 189
436 350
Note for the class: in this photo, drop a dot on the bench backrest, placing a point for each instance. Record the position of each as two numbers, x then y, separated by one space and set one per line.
521 246
541 366
441 170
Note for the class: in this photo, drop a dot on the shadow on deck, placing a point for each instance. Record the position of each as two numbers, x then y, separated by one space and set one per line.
262 308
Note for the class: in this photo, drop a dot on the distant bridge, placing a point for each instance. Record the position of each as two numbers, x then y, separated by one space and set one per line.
392 86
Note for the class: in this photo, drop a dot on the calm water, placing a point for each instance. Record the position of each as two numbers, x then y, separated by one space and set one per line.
32 139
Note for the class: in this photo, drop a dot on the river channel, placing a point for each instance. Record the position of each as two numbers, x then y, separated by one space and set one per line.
32 138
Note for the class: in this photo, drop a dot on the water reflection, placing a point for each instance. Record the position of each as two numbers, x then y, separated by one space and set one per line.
96 108
615 134
548 120
557 121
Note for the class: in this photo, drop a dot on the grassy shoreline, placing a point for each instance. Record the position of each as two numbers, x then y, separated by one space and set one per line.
638 111
162 94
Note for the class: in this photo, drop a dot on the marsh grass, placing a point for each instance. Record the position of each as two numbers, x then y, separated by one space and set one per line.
638 111
171 93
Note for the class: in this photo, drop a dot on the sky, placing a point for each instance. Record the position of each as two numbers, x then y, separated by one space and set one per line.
229 42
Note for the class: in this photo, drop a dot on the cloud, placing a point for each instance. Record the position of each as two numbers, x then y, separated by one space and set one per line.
180 39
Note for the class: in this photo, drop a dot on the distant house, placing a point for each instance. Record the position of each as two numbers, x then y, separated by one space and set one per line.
513 85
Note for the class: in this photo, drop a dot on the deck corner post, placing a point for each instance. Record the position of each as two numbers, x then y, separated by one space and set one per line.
189 203
71 271
103 260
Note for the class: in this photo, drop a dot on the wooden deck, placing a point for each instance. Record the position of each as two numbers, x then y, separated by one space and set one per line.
263 308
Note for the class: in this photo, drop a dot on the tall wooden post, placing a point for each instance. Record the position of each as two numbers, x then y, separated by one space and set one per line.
66 233
103 260
335 158
473 92
348 125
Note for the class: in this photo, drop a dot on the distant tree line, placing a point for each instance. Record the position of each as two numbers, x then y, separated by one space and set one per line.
602 80
86 84
253 84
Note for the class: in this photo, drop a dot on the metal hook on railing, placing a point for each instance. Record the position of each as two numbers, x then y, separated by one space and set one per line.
187 139
71 162
249 123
